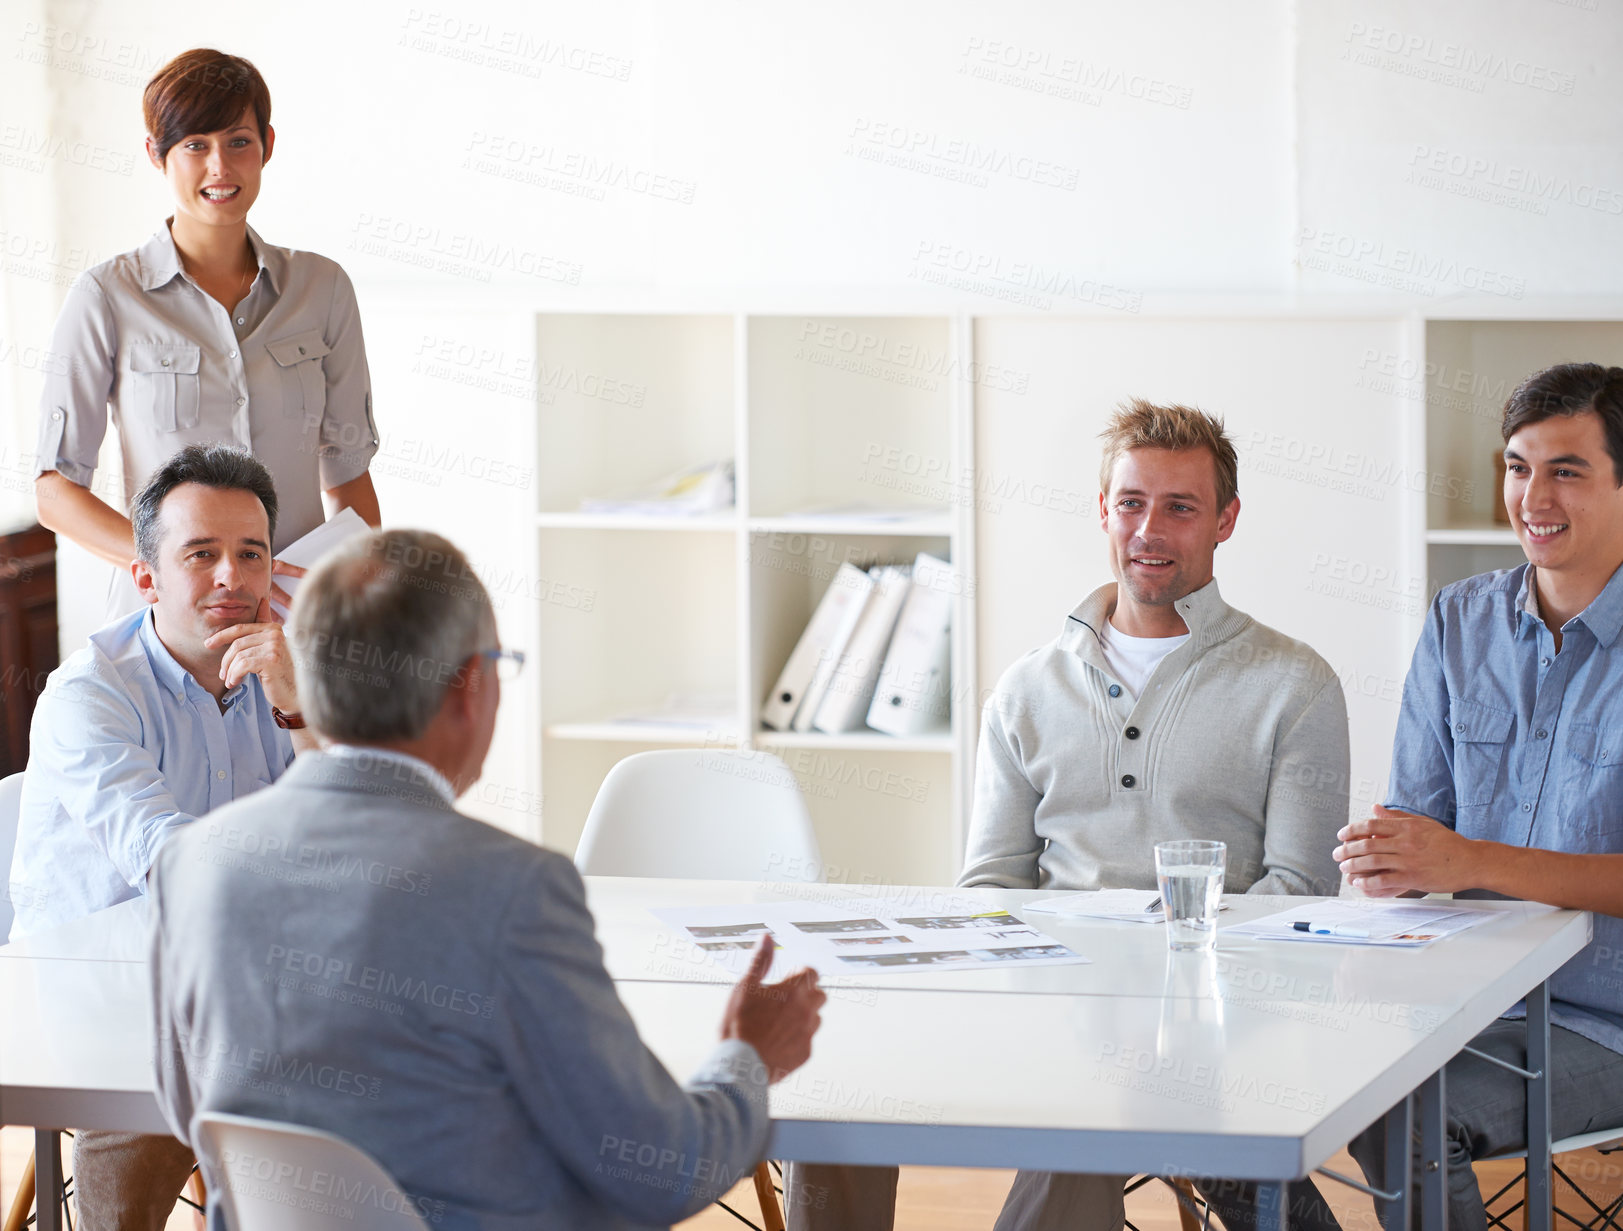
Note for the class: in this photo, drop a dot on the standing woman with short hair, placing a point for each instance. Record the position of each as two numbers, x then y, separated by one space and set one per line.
207 335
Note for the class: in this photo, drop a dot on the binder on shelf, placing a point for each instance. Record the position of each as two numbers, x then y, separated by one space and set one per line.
862 584
850 689
825 634
913 692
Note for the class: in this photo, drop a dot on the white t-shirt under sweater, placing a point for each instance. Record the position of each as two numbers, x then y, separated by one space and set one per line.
1133 659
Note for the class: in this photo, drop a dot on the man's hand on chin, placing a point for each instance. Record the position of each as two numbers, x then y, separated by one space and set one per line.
1398 854
258 649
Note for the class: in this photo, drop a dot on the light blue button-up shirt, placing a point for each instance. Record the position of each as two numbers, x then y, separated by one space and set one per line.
126 746
1502 738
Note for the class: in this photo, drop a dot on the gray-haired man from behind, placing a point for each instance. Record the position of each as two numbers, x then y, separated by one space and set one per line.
348 952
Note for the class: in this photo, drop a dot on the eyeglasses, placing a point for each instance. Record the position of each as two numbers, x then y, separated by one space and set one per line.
509 663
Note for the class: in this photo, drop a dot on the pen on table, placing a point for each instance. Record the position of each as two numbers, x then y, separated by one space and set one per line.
1334 929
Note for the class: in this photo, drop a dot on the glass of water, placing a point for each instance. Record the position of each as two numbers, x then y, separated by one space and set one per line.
1191 878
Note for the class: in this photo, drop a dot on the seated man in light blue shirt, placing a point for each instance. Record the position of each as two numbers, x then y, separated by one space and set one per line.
165 715
1507 767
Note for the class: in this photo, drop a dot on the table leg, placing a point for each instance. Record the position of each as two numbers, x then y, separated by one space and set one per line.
1540 1196
1434 1153
48 1179
1271 1206
1399 1171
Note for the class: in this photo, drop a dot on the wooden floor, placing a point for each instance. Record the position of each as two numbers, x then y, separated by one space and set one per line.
954 1199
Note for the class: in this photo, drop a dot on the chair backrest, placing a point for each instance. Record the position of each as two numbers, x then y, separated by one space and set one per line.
700 814
11 799
272 1176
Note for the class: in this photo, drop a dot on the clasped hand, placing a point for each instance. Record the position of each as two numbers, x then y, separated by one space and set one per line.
1394 853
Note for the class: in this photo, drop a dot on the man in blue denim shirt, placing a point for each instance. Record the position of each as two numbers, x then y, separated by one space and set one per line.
1507 768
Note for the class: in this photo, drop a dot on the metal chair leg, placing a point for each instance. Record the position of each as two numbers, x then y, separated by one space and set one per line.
23 1203
1188 1220
200 1194
767 1195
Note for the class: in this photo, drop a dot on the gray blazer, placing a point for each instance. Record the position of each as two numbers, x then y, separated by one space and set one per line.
344 950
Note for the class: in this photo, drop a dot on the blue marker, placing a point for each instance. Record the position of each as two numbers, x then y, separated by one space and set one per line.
1334 930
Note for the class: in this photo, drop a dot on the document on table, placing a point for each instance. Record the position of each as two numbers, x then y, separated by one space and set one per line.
343 525
1122 905
1359 921
858 936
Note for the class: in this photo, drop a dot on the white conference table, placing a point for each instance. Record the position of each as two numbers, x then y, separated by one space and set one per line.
1259 1061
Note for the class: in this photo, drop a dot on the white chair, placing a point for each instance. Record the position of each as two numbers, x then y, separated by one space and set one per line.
1606 1141
703 814
11 798
283 1177
700 814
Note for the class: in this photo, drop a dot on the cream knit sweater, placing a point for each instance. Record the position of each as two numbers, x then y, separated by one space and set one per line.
1240 735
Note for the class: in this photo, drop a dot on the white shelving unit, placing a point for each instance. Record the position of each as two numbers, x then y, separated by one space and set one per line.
1460 373
818 413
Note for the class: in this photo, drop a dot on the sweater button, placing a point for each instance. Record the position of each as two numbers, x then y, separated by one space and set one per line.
1115 690
1128 781
1131 732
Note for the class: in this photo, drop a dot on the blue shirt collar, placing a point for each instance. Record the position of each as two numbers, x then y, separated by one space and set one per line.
166 669
1603 617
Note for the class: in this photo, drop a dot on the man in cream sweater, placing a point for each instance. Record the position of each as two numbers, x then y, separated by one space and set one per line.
1158 713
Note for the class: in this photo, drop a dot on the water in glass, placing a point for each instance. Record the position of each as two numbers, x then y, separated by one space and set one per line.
1190 894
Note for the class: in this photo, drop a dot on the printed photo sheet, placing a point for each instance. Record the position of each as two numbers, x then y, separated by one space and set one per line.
864 936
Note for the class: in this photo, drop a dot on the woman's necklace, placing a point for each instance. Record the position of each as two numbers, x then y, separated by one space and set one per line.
242 283
242 287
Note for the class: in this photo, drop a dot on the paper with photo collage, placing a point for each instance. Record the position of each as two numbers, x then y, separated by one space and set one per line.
867 936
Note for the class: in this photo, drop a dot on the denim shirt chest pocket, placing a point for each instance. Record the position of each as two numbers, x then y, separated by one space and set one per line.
304 383
1480 734
1594 781
168 391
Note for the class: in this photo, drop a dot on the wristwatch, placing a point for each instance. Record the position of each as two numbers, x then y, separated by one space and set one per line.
288 722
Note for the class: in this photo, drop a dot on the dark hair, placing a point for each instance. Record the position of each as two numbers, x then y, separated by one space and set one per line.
1570 389
219 466
203 91
381 628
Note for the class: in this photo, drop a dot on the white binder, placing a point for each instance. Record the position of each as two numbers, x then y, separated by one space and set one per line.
830 625
850 689
913 695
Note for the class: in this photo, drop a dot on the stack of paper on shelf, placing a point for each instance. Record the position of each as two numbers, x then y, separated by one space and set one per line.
699 711
851 686
911 696
898 514
805 676
689 493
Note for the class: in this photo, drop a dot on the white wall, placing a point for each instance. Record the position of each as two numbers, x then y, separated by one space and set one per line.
1475 144
1322 490
859 157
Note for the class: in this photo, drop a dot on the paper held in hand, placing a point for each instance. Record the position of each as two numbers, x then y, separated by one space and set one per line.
342 526
1358 921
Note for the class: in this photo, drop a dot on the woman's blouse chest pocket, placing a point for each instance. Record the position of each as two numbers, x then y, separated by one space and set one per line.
304 383
167 386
